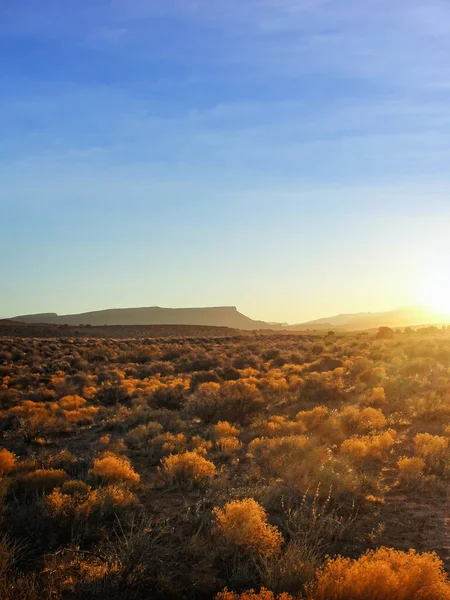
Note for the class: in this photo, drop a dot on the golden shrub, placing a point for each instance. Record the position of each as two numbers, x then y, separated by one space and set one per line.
71 402
313 418
410 469
7 461
187 469
76 500
375 397
263 594
224 429
374 447
111 468
355 448
383 573
244 527
43 479
81 416
173 443
228 444
200 445
430 447
356 420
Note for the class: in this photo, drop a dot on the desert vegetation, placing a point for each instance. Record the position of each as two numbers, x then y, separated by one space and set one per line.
272 467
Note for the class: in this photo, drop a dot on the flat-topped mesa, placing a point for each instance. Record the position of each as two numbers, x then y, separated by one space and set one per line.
219 316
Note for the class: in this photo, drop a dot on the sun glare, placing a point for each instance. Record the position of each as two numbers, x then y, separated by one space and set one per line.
434 291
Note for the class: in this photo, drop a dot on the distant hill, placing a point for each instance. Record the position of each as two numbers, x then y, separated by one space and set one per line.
222 316
402 317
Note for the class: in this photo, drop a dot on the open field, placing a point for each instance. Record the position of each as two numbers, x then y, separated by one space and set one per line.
180 463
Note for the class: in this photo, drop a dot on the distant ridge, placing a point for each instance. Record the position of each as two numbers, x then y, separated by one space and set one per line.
219 316
402 317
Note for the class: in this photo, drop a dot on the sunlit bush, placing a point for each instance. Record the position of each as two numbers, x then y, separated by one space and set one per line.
224 429
71 402
7 461
375 397
77 500
434 449
243 526
110 468
187 469
410 470
313 418
373 447
383 573
228 444
355 420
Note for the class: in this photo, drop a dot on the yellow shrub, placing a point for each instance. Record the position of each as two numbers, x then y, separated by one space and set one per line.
224 429
111 468
187 469
263 594
71 402
410 469
430 446
354 448
374 447
382 574
313 418
355 420
173 443
81 416
228 444
375 397
7 461
75 499
43 479
243 526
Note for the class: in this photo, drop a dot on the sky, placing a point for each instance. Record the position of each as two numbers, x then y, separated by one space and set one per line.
288 157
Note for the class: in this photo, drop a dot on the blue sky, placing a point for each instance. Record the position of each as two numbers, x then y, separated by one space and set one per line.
288 157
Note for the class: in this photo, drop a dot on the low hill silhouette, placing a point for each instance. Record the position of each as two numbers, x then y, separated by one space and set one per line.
402 317
222 316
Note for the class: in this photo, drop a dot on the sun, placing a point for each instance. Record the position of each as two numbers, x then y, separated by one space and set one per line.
434 291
